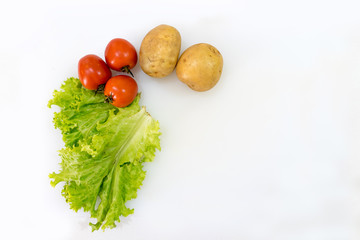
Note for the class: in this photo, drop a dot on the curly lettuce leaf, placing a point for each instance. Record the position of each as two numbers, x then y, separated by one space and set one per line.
105 148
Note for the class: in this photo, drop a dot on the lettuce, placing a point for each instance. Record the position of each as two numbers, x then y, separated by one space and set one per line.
105 148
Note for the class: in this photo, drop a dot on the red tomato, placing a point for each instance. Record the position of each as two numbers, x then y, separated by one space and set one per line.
120 55
120 90
93 71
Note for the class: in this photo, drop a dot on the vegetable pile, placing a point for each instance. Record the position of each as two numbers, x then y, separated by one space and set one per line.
105 148
106 144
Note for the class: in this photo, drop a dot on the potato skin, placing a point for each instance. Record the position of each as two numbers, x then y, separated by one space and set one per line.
200 67
159 51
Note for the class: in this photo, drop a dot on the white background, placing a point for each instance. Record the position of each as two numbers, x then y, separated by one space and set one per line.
272 152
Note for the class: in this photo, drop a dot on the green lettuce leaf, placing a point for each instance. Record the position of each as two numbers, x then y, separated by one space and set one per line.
105 148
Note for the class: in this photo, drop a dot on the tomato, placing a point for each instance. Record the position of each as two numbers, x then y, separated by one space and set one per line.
93 71
120 90
120 55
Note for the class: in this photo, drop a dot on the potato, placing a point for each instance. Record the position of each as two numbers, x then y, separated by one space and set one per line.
159 51
200 67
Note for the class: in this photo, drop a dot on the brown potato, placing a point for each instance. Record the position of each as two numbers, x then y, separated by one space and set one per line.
159 51
200 67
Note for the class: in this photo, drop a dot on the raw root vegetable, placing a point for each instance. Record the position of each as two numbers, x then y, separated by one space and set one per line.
200 67
159 51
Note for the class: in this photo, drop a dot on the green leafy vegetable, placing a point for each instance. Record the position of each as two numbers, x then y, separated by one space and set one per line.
105 148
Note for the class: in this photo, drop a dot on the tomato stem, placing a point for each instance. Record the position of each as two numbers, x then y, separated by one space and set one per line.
108 99
100 88
127 70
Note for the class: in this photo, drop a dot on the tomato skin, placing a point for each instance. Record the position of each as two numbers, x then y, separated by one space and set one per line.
121 90
93 71
120 53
